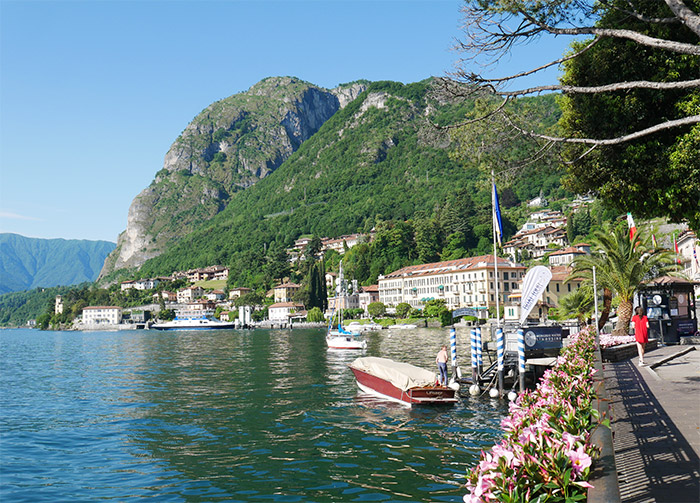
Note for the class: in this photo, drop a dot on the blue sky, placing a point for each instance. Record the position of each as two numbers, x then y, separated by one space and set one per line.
93 92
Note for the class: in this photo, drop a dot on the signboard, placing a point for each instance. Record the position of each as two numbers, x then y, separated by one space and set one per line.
465 311
534 283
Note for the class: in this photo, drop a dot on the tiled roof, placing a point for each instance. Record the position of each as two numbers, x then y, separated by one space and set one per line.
450 266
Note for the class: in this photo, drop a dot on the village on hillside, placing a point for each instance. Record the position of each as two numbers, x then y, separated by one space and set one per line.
463 283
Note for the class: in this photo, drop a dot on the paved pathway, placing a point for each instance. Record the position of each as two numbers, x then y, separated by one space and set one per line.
656 425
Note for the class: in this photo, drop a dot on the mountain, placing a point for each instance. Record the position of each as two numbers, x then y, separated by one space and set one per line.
228 147
27 263
375 159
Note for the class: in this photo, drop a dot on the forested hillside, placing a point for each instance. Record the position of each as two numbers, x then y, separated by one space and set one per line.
27 263
377 160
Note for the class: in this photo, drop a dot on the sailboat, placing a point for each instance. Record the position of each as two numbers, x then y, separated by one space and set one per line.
341 338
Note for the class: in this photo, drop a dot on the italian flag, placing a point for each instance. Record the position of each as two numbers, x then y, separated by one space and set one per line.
630 224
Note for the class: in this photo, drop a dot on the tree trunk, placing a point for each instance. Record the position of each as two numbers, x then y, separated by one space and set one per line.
605 313
624 315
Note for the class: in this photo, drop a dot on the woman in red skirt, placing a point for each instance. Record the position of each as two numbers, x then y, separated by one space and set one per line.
641 333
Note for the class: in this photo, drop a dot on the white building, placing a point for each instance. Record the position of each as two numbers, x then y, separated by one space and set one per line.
282 311
189 294
565 256
102 315
140 284
467 282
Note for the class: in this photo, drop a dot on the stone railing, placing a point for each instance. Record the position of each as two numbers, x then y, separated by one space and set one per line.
606 487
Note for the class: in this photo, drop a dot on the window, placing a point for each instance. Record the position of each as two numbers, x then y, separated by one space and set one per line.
568 287
557 287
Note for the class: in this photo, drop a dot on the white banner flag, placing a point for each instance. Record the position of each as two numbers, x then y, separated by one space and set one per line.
534 283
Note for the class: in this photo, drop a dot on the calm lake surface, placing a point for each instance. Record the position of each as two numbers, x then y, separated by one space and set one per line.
262 415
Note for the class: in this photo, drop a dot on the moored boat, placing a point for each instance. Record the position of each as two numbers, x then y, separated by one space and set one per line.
193 320
401 382
339 337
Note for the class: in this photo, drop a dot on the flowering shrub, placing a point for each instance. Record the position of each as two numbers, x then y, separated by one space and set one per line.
546 453
608 340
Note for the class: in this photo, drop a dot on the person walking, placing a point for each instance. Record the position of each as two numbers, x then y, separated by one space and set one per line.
441 361
641 333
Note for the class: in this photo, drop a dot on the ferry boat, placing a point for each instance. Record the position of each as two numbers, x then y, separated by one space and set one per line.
400 382
193 320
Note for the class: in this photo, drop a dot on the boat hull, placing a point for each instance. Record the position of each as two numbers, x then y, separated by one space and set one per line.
193 326
427 395
345 342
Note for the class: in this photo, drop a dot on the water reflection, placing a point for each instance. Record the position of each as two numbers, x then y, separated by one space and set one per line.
230 415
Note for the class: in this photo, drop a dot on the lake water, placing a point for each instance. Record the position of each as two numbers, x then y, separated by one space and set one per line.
262 415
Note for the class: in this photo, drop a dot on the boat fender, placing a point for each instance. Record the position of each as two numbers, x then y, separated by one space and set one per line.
493 393
474 390
454 385
512 396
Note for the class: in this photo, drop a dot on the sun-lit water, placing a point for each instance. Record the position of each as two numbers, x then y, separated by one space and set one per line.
224 416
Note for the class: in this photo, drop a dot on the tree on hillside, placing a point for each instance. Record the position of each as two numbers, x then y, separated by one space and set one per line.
630 96
621 265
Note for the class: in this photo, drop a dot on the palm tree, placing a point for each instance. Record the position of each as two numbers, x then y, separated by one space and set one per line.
621 264
578 304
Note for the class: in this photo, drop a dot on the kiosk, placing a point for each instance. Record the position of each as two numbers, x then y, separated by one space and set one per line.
669 303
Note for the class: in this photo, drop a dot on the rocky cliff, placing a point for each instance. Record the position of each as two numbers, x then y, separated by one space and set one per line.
228 147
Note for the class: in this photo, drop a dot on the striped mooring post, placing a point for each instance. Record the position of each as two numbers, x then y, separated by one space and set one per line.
453 351
474 357
500 355
479 349
521 358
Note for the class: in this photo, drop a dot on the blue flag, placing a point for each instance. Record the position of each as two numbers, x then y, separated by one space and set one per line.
497 224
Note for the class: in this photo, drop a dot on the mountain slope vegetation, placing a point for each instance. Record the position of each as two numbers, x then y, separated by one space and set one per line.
378 159
27 263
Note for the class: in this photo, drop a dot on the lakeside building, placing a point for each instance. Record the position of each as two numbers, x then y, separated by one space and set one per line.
189 294
351 301
102 315
467 282
58 305
558 287
282 312
285 291
367 295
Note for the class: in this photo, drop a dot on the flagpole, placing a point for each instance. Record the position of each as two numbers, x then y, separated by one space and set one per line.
499 333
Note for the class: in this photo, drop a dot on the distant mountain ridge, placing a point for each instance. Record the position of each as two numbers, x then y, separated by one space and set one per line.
27 263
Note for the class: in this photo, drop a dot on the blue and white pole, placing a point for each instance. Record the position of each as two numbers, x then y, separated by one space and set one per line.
479 348
475 361
500 355
453 351
521 358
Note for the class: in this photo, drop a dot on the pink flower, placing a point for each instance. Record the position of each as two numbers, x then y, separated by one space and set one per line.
501 452
579 460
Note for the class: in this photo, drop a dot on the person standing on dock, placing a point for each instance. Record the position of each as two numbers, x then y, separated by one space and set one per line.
441 361
641 333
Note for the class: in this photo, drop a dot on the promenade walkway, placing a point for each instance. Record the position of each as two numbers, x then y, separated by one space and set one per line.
656 425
